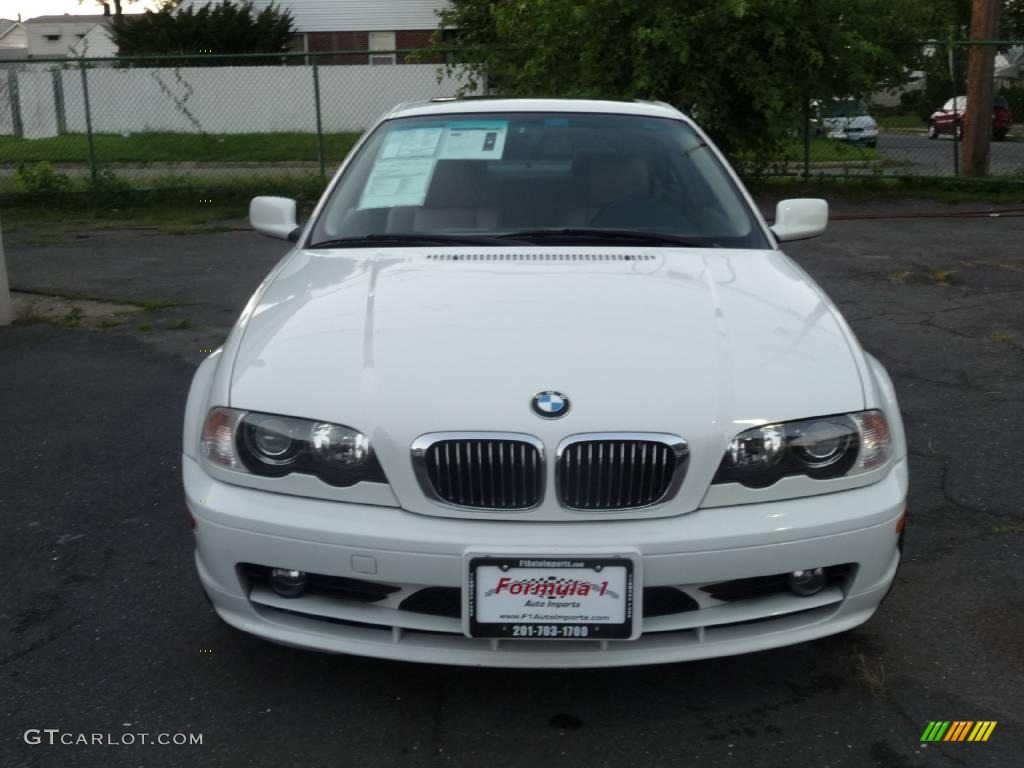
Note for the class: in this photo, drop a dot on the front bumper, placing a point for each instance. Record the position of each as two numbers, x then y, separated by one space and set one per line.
855 137
388 546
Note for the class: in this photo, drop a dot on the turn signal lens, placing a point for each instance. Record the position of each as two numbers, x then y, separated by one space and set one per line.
218 441
875 445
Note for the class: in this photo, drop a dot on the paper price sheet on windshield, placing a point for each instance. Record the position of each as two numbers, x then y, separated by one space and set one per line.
405 166
484 140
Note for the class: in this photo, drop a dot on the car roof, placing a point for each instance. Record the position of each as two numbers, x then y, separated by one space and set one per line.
457 106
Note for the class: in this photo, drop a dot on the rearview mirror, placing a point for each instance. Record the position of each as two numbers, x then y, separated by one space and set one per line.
800 218
275 217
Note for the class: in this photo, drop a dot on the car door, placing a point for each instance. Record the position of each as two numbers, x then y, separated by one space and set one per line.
944 118
959 110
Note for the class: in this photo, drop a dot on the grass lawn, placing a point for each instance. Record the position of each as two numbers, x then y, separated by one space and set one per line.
826 151
171 203
177 147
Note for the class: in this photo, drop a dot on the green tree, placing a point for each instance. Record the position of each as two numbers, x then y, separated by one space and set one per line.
1011 20
222 28
953 17
746 68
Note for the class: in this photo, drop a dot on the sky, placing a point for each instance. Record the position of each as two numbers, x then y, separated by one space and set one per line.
9 9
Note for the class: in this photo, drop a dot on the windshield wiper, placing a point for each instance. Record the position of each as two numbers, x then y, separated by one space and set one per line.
407 240
578 234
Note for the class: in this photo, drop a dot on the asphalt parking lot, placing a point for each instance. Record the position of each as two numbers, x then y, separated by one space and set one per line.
914 154
103 628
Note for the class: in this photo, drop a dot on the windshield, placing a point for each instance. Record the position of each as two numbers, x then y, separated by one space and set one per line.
532 177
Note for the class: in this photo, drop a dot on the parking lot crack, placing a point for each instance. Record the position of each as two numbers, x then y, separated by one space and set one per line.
35 646
957 504
930 323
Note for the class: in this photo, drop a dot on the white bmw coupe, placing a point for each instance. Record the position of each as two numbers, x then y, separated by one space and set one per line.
536 387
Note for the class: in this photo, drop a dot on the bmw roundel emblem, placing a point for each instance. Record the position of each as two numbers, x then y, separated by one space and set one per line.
550 405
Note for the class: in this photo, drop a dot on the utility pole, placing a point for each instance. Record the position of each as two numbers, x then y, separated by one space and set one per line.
977 121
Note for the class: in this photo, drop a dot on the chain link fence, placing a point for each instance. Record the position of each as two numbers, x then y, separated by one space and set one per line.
274 121
159 122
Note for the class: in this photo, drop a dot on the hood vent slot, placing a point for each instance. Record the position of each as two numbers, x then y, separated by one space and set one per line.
534 258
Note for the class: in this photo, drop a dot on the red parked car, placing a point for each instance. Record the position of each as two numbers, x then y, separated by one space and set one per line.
950 119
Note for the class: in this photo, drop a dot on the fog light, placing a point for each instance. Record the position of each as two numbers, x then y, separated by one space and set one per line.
806 583
288 583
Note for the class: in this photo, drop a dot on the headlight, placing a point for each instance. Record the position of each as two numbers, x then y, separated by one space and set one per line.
821 448
274 446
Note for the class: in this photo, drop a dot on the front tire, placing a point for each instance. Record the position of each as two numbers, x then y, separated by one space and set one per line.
998 135
933 131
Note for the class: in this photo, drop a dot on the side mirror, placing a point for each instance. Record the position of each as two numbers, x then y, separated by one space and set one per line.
800 218
275 217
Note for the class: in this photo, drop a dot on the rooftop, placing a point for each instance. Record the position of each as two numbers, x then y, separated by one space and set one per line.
69 18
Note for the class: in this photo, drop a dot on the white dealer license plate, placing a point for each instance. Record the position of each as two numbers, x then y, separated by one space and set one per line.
551 597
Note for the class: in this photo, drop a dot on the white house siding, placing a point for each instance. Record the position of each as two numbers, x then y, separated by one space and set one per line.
97 44
361 15
15 38
40 47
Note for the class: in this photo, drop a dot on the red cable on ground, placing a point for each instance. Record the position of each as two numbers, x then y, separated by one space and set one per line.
1003 213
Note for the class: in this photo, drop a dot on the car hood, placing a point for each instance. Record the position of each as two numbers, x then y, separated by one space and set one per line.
702 343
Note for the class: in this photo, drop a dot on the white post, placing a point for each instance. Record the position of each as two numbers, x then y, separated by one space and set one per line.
6 312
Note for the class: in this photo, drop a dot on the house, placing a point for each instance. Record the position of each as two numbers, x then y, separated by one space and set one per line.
1009 64
12 34
97 44
357 25
55 36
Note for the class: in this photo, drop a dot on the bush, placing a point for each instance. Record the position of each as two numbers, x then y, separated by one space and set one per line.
1014 95
44 183
108 189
